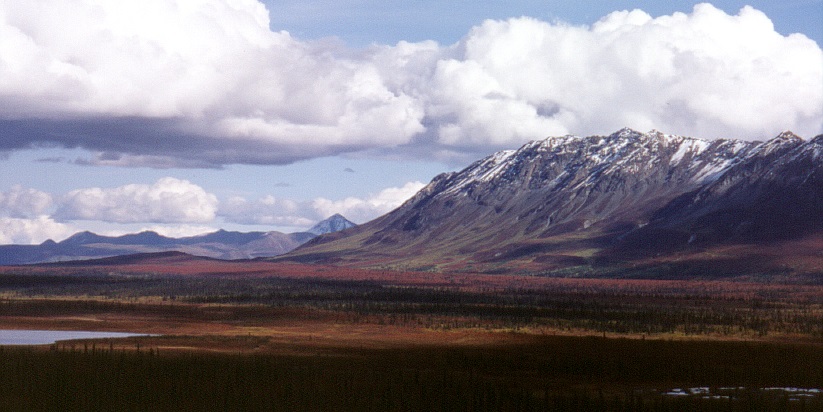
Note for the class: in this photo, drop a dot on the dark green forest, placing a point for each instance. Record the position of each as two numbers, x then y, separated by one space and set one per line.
568 373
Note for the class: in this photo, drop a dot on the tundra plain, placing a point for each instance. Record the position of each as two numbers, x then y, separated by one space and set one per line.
258 335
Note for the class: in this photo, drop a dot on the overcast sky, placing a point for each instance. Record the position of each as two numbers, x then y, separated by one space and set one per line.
185 116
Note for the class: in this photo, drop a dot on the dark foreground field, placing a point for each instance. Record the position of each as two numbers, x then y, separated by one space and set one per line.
303 338
548 373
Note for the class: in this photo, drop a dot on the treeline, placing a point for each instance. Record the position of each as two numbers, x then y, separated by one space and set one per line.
640 311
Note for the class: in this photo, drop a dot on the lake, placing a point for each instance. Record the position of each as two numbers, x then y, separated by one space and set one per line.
45 337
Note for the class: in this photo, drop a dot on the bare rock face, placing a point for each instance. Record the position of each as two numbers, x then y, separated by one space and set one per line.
773 193
622 192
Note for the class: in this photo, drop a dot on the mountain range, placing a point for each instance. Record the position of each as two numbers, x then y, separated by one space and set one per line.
220 244
586 202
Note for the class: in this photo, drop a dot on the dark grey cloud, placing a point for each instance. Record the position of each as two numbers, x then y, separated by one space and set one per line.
114 134
148 142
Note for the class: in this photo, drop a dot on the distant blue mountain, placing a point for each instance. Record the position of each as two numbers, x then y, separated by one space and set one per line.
221 244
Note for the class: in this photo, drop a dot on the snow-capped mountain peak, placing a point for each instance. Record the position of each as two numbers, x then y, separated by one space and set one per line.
554 160
334 223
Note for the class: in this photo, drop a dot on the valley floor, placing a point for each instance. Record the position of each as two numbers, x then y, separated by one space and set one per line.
316 338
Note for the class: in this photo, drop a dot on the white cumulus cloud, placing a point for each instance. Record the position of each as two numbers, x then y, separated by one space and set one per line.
302 214
176 231
203 83
706 74
361 210
32 231
169 200
267 210
24 203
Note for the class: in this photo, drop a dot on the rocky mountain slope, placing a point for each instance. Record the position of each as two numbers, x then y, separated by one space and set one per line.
220 244
570 200
775 192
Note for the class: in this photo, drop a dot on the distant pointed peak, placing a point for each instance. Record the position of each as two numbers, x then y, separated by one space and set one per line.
333 223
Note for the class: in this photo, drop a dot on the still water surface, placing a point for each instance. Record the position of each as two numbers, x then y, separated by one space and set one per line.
45 337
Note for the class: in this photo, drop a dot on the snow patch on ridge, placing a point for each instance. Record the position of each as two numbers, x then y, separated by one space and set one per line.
624 152
485 170
695 147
